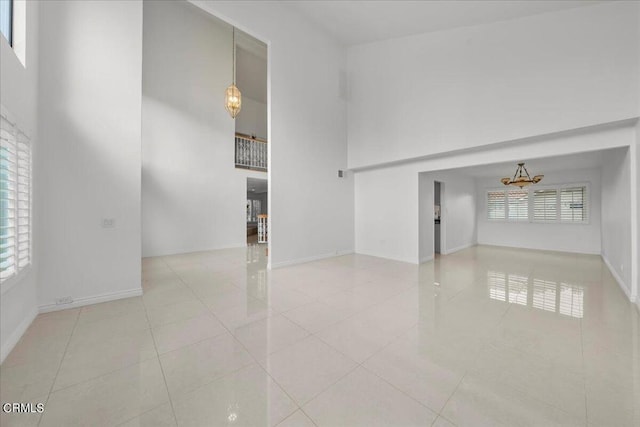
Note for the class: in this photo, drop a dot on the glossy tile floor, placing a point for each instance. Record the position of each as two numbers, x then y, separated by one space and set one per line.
486 336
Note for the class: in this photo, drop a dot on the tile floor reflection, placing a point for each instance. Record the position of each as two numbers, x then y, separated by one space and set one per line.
486 336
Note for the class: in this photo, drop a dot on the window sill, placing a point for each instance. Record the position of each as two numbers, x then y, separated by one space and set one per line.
14 280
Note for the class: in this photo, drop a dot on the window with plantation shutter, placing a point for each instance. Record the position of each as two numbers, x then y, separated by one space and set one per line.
15 200
545 205
496 205
518 205
573 204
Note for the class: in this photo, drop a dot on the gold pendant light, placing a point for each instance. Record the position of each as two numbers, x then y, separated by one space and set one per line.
520 180
232 96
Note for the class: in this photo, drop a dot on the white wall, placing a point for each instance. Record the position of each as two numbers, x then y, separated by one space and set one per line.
616 216
386 211
19 95
457 216
580 238
311 209
193 197
636 277
472 86
90 128
394 213
252 119
386 198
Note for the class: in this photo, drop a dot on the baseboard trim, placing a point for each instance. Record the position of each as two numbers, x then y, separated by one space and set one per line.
415 261
17 334
459 248
80 302
538 249
426 259
275 265
615 275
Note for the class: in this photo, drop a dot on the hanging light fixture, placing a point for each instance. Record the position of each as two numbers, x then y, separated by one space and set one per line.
232 96
520 180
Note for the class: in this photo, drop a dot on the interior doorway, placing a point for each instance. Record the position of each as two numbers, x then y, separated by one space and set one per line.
257 196
437 217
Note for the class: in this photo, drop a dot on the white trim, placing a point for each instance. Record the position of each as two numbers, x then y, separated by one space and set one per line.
616 276
281 264
80 302
17 334
458 248
539 249
414 261
633 175
15 279
193 251
426 259
530 203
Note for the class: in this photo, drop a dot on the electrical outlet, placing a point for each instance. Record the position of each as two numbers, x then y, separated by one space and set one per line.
622 267
108 222
64 300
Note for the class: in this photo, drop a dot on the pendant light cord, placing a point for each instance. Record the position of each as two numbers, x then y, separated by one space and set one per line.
234 55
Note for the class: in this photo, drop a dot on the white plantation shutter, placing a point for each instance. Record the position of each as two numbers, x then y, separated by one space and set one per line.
15 200
24 202
518 204
8 187
496 205
573 204
545 205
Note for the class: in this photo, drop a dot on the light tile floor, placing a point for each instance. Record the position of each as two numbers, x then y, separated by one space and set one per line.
486 336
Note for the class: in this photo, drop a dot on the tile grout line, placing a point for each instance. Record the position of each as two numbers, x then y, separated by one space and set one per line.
584 375
55 378
155 345
256 362
307 336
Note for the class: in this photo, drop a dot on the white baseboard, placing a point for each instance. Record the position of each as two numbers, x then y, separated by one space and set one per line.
496 245
17 334
426 259
459 248
415 261
80 302
616 276
281 264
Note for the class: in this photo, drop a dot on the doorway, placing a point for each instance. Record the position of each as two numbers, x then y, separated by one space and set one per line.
437 217
257 196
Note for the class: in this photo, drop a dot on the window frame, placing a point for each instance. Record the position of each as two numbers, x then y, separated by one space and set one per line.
504 198
530 202
586 203
508 209
10 35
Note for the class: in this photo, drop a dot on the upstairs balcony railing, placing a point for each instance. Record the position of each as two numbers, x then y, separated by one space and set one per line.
251 153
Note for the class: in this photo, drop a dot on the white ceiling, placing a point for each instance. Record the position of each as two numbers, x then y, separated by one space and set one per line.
355 22
589 160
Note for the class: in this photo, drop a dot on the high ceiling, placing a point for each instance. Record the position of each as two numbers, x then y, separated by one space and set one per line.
355 22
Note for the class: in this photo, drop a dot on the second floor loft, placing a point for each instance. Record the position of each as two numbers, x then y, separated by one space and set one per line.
251 152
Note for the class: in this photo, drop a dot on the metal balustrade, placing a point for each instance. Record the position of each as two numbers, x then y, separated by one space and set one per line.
251 153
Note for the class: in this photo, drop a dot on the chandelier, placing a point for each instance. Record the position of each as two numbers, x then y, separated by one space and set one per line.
520 180
232 96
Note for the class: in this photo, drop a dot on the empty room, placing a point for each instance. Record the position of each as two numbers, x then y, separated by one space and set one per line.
319 213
